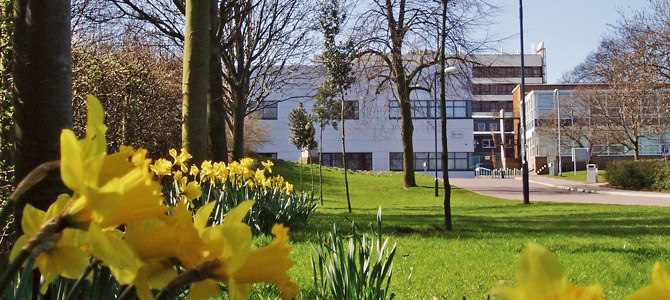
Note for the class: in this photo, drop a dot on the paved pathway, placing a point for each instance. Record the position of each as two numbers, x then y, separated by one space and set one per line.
544 188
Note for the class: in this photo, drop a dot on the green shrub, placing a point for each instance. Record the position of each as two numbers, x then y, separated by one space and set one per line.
639 175
354 268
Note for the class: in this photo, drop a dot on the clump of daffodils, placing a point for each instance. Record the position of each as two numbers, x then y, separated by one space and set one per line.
119 190
190 178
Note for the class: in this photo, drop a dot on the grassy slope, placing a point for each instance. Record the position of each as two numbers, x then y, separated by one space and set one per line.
615 246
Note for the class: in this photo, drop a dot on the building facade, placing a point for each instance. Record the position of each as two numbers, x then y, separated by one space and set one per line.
546 104
372 124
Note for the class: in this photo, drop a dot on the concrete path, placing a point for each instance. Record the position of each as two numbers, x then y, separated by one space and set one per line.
544 188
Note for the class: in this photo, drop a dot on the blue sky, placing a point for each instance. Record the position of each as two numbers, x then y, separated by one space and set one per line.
570 29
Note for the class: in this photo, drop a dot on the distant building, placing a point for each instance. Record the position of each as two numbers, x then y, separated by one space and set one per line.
542 102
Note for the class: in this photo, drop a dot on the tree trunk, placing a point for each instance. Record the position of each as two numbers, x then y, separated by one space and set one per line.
302 189
311 171
239 110
397 31
443 123
42 93
195 80
218 146
321 164
344 152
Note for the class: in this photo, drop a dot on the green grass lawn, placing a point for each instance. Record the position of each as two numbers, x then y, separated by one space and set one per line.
580 176
613 245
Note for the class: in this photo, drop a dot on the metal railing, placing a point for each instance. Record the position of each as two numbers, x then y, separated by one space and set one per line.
497 173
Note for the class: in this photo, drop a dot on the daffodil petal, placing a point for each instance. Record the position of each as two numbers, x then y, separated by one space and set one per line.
540 273
114 252
71 161
238 213
202 215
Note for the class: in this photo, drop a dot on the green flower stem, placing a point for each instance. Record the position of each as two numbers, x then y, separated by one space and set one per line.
82 278
127 293
25 277
10 271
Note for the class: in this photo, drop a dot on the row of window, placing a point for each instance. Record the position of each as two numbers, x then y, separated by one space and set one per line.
429 109
270 111
421 109
430 160
502 72
493 88
489 106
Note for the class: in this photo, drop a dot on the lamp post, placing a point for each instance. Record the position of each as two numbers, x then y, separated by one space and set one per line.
446 71
558 129
524 161
436 161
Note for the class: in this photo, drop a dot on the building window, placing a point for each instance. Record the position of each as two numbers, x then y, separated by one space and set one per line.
492 106
481 126
351 110
425 109
488 143
266 155
458 161
457 108
455 161
355 160
493 89
494 126
501 72
269 112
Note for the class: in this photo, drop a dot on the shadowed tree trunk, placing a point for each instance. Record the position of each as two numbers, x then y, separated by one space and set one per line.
196 79
344 151
218 145
42 93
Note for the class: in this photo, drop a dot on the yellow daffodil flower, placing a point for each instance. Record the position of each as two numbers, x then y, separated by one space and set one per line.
108 189
268 165
268 264
194 171
541 277
64 257
161 167
206 171
159 250
658 289
180 159
192 191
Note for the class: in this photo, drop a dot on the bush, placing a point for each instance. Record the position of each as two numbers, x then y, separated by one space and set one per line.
354 268
639 175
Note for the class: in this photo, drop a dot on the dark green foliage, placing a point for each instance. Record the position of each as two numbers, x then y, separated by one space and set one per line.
639 175
326 108
300 123
355 268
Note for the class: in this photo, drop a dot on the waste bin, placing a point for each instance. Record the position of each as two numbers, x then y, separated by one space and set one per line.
552 169
591 173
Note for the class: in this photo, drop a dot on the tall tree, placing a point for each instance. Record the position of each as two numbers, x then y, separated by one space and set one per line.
397 32
633 62
338 60
259 42
326 114
196 79
42 92
302 130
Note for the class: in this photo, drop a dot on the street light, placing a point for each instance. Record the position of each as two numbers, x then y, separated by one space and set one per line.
447 71
558 129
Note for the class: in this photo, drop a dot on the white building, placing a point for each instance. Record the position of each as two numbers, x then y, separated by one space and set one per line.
373 139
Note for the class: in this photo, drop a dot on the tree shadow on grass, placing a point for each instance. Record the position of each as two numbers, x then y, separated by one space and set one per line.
503 221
